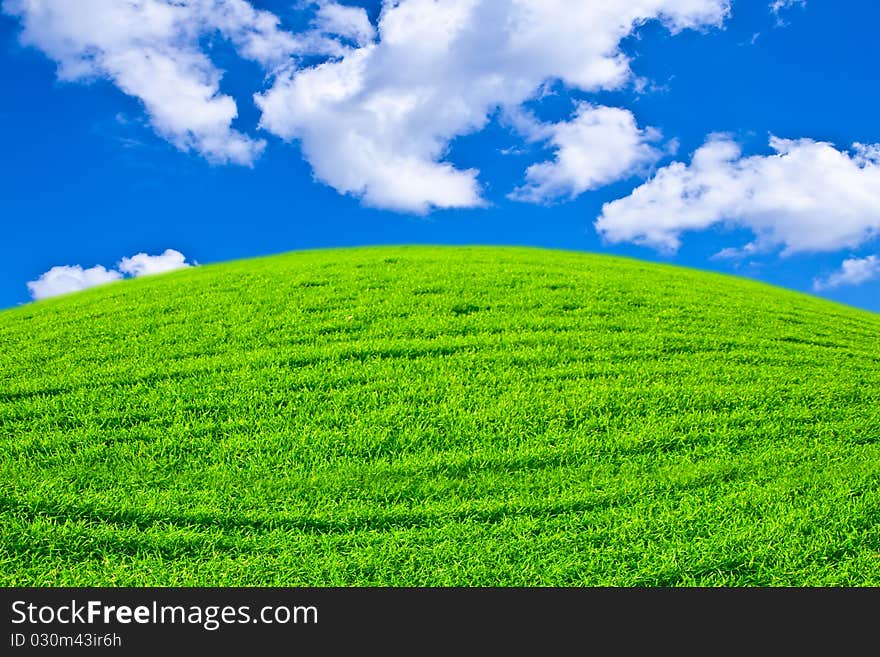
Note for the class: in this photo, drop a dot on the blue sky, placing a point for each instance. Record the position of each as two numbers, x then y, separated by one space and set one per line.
101 162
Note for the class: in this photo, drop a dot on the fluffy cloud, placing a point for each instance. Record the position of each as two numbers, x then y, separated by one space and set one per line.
598 146
64 279
142 264
151 49
853 271
378 121
806 197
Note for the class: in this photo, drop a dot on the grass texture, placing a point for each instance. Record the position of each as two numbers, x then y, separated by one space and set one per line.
439 416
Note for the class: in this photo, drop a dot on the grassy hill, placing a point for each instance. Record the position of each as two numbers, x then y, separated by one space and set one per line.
439 416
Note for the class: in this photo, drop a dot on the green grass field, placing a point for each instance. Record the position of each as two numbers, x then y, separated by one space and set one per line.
439 416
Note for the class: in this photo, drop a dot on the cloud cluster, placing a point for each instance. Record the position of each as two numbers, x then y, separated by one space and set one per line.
853 271
378 109
807 196
378 122
64 279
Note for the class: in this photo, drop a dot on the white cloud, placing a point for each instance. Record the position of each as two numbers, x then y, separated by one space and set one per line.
853 271
807 197
598 146
151 50
65 279
142 264
378 121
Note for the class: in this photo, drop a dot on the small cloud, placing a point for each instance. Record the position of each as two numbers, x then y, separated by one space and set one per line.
598 146
853 271
738 253
346 22
778 6
730 253
128 142
64 279
142 264
642 86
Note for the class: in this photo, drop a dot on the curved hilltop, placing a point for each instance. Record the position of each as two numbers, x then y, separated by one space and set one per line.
439 416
